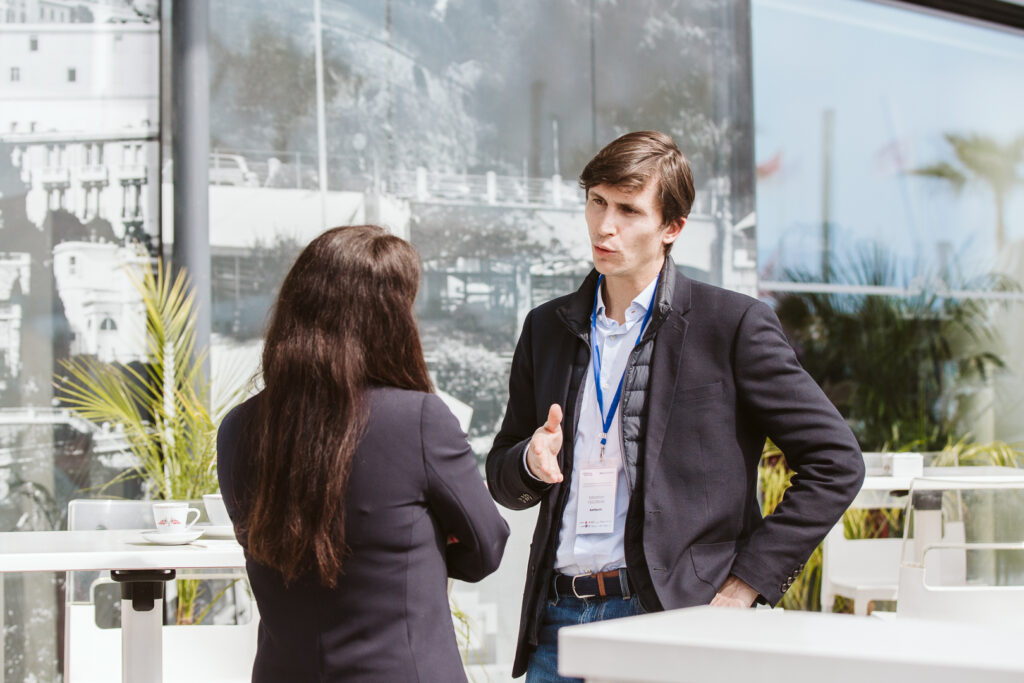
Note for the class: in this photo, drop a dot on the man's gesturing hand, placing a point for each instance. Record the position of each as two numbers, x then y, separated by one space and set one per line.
542 453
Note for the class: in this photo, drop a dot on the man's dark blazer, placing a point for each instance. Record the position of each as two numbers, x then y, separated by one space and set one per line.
722 378
414 482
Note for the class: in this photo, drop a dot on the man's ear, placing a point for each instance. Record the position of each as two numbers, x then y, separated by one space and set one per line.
673 230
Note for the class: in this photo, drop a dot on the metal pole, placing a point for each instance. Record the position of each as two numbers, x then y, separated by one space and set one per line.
593 84
554 144
321 125
828 119
3 620
190 103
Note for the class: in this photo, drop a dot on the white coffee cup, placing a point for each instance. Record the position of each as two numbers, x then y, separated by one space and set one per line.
173 517
215 509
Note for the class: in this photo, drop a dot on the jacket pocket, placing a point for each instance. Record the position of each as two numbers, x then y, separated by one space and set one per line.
700 392
712 561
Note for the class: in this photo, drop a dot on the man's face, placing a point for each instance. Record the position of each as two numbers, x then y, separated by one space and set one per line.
627 237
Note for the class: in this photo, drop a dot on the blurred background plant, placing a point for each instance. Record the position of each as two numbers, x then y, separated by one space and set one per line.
903 369
472 657
994 454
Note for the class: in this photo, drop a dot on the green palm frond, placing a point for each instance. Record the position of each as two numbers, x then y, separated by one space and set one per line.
996 453
943 171
987 159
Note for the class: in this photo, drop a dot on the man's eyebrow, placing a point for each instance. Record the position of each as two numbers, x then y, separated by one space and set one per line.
630 206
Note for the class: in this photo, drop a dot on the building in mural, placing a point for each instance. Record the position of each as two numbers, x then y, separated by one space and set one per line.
105 313
14 285
81 132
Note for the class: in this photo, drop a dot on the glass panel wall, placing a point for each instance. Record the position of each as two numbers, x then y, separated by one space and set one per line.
891 216
79 122
463 126
888 177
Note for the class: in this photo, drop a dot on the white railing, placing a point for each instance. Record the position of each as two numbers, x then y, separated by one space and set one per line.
357 172
93 173
54 175
132 172
488 188
27 416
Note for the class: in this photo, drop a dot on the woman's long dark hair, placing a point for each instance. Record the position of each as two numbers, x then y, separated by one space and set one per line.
343 321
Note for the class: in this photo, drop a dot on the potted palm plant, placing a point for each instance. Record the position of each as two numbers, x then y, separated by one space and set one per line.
161 406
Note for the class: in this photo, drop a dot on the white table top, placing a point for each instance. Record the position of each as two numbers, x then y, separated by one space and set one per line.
54 551
891 483
938 478
715 644
877 489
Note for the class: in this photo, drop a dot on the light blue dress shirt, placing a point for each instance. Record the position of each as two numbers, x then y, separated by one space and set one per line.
590 553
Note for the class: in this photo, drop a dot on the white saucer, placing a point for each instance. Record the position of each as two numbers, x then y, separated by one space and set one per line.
172 537
218 530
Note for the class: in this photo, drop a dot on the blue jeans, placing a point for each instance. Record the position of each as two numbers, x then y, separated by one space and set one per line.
543 667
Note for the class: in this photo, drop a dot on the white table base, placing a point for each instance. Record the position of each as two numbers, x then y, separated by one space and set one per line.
142 643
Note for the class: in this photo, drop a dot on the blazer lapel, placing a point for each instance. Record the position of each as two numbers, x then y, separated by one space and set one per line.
575 316
666 363
575 313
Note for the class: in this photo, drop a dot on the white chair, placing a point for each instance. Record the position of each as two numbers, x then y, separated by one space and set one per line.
982 604
867 569
192 654
860 569
966 560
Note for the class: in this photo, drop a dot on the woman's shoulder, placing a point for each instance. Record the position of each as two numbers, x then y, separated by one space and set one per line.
408 405
233 419
394 398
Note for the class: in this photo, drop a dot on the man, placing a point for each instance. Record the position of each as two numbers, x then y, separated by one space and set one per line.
668 388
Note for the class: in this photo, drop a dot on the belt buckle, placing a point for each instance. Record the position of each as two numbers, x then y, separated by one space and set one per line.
576 593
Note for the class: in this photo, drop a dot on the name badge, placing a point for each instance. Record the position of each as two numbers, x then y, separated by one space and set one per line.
596 511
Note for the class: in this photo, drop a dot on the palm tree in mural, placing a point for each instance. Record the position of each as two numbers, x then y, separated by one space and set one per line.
982 158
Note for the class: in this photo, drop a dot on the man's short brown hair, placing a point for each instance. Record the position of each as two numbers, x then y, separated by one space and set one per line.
633 159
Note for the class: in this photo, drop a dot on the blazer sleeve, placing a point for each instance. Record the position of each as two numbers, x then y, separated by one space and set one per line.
819 446
457 496
228 436
507 478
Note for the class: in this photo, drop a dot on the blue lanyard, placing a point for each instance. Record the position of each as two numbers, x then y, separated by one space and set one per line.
606 419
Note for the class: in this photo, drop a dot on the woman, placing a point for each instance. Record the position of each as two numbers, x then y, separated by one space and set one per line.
350 485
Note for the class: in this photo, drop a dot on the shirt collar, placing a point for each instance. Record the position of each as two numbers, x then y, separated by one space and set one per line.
641 301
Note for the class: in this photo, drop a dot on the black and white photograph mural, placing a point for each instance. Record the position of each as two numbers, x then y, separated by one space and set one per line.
463 127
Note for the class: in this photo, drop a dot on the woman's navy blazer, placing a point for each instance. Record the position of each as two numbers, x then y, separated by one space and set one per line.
414 482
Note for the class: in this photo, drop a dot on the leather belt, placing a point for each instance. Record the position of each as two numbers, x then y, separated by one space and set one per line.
614 582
